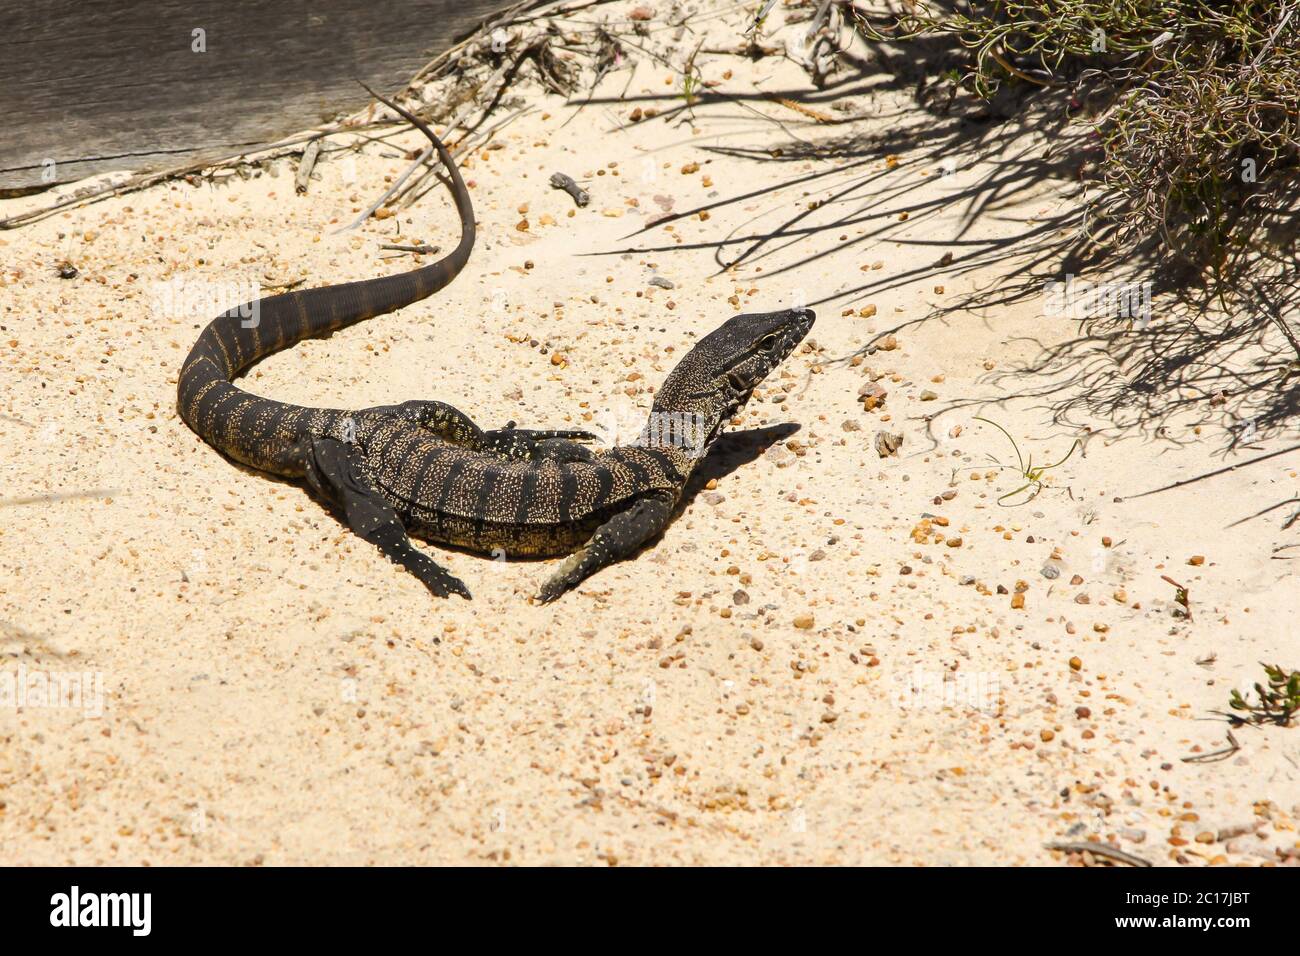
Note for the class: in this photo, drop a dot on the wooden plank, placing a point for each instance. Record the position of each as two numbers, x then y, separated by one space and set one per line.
120 84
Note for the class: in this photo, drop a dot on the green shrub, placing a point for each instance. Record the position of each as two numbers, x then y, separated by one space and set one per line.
1196 106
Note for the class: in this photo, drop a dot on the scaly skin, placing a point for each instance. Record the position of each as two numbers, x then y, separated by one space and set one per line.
427 468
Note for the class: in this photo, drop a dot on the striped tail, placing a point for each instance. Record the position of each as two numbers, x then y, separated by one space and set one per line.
256 430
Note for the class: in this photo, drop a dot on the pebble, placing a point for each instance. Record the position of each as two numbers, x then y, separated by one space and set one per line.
804 622
1051 572
888 444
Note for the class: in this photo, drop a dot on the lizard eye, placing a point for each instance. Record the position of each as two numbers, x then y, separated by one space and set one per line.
767 343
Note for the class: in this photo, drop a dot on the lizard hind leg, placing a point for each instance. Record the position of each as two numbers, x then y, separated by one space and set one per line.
445 421
616 539
333 469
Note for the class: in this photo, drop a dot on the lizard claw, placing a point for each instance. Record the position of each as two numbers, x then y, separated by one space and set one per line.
551 590
440 581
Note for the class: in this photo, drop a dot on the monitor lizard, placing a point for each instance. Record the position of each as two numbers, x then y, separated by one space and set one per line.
426 468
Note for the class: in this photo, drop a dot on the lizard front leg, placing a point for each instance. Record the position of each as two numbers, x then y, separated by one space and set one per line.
333 468
537 444
616 539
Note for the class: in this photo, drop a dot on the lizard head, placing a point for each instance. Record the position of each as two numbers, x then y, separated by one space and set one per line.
716 377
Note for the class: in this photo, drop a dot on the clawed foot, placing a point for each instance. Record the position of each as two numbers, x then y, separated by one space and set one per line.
549 592
444 585
570 573
536 444
441 582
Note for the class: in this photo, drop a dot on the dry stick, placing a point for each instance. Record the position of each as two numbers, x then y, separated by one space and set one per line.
428 151
1223 754
1013 71
305 166
461 145
817 21
1100 849
497 79
421 249
141 181
566 182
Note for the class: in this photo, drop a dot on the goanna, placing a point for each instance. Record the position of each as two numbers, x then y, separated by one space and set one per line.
425 468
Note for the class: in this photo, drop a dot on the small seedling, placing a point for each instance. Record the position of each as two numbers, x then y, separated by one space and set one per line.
691 80
760 17
1278 702
1181 597
1034 476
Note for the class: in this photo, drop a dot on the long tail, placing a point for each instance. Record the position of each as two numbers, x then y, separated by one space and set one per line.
254 430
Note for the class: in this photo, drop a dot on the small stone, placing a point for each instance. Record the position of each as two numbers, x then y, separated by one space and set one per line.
928 396
1076 664
872 396
1046 736
1051 572
849 425
740 597
1076 580
888 444
1018 602
1196 560
662 283
804 622
1083 713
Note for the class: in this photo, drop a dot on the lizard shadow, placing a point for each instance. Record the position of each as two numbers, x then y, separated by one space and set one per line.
731 451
